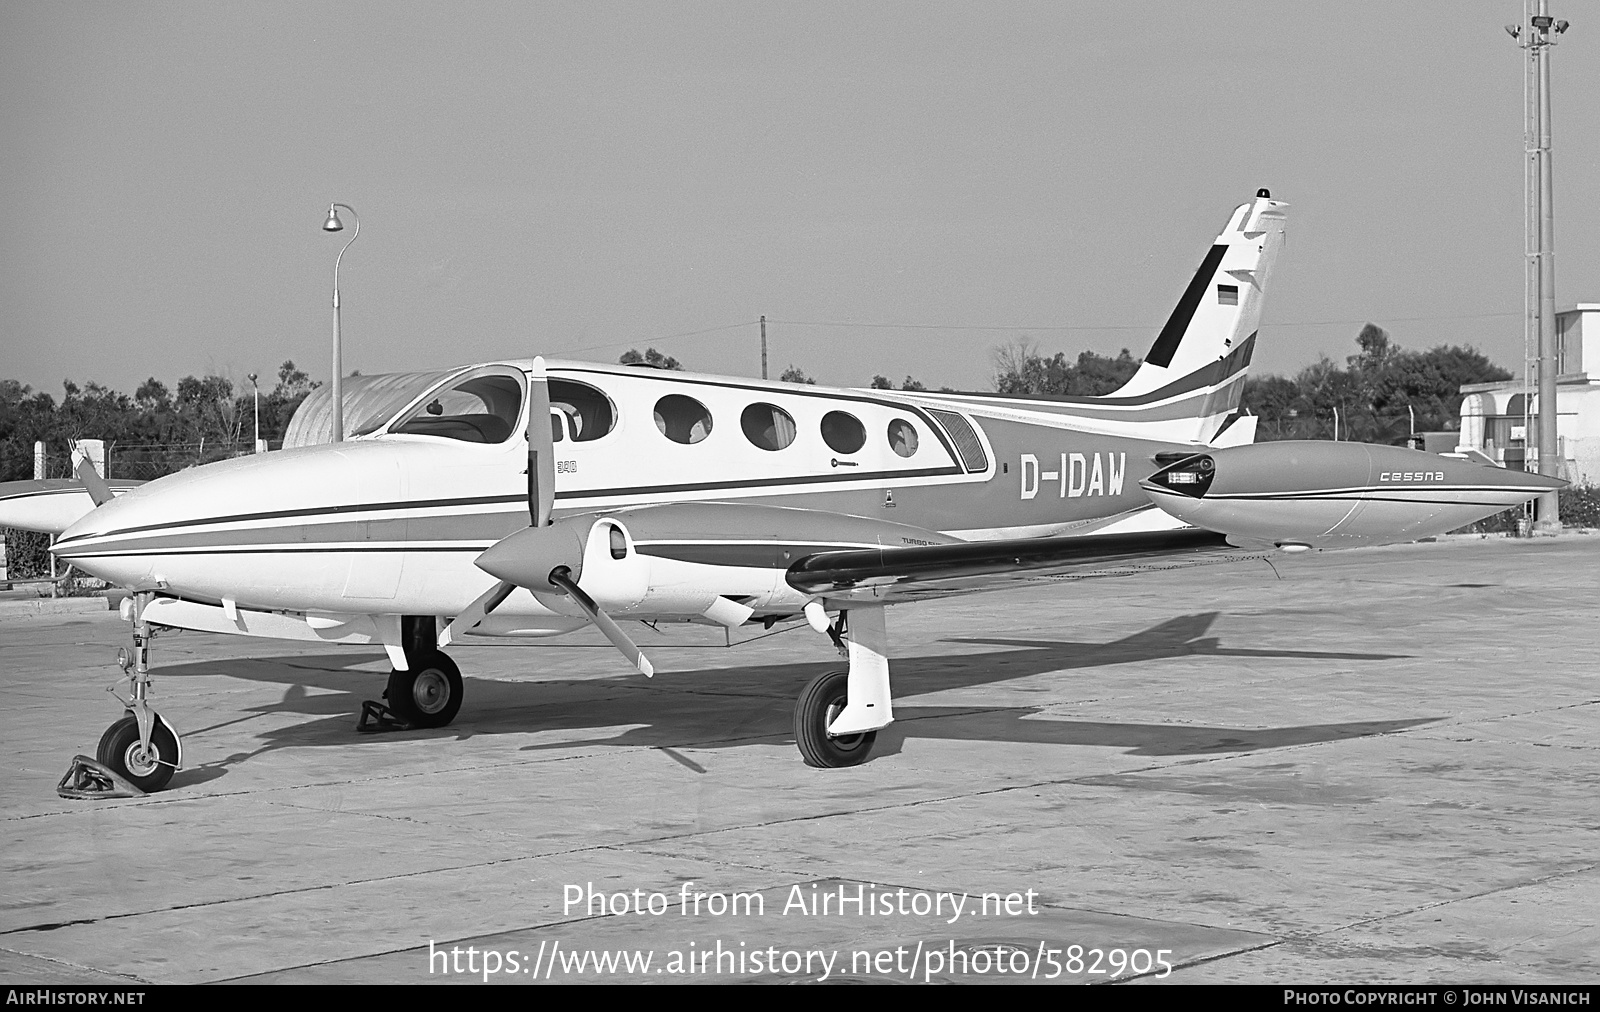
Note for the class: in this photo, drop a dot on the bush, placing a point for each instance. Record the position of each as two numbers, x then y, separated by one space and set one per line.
1504 522
27 554
1580 506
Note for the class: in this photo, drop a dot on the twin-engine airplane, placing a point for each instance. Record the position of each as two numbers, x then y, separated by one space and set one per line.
527 498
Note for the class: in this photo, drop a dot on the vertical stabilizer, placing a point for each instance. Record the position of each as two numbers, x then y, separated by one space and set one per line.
1217 317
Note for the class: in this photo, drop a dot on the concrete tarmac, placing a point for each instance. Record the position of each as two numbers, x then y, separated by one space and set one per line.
1379 765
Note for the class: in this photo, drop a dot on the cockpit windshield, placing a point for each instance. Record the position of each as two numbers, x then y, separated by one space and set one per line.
480 408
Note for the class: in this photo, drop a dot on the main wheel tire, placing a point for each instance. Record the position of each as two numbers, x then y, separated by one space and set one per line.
819 704
149 771
429 694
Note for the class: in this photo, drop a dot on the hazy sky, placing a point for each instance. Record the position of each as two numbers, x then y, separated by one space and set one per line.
575 179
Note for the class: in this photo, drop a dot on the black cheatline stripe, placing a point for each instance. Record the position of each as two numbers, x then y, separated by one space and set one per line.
308 511
1361 489
313 511
1167 342
1353 498
284 550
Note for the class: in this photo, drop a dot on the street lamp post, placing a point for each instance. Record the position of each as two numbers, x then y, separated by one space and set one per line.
333 224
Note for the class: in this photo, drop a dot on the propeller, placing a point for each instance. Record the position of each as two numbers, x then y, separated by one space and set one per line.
542 557
561 577
541 448
99 492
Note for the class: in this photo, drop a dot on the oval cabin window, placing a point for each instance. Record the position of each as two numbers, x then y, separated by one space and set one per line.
682 419
767 426
903 437
587 413
843 432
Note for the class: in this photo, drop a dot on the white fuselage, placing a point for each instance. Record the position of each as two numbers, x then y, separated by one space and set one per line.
391 522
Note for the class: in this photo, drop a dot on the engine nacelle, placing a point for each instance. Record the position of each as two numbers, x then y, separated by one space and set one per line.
714 560
1335 495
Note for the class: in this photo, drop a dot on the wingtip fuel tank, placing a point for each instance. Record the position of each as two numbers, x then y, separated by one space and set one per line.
1317 494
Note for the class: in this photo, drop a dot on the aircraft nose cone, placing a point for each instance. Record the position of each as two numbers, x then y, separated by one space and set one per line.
527 557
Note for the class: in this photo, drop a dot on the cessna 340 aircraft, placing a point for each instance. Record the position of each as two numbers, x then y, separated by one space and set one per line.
524 498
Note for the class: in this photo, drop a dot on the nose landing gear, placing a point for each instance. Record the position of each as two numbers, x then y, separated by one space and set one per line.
141 747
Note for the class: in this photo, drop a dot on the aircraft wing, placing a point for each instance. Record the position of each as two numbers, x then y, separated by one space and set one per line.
50 505
922 572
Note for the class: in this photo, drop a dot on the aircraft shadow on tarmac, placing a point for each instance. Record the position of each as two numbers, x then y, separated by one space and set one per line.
737 706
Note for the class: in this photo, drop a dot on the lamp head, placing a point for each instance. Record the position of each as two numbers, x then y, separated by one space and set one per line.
333 224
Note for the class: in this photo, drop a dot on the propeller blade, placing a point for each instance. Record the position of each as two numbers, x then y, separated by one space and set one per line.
541 447
476 612
561 578
99 491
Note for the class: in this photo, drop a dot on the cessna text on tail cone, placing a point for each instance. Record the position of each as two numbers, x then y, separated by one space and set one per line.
531 498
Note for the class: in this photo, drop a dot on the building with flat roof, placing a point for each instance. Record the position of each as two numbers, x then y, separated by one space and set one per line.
1501 419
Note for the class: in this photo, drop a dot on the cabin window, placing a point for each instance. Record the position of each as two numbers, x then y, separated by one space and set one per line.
588 412
767 426
479 409
903 437
843 432
682 419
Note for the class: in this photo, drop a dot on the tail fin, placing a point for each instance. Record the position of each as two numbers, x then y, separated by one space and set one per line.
1217 317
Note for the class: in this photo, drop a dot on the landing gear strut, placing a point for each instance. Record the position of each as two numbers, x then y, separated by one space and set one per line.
838 716
142 747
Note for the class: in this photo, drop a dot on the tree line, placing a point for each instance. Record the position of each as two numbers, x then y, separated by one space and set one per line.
1382 393
155 431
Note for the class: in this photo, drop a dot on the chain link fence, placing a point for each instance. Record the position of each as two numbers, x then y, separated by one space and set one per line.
132 461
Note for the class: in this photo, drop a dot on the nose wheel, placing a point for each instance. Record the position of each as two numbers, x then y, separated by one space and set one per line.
147 767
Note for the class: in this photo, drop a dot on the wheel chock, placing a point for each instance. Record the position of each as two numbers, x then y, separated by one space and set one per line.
375 718
89 780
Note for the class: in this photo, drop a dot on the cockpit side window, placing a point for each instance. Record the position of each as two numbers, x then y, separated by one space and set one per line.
479 409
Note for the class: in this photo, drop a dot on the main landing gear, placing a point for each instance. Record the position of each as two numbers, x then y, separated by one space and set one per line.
142 747
427 693
838 716
820 705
